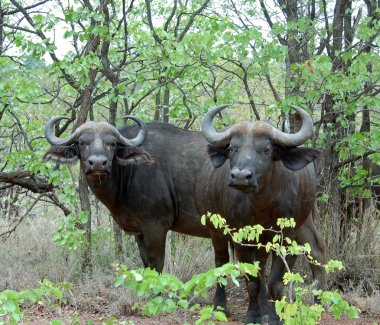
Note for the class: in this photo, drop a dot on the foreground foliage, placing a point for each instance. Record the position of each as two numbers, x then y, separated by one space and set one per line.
47 294
171 294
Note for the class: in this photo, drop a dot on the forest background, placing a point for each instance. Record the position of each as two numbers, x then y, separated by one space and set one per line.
171 62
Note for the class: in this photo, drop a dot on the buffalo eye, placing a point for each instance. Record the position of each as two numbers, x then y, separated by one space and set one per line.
263 151
232 149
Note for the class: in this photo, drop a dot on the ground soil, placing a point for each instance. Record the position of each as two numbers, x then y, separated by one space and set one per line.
40 315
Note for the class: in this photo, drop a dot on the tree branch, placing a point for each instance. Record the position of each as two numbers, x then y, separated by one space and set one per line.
166 26
27 180
150 23
270 23
191 20
356 158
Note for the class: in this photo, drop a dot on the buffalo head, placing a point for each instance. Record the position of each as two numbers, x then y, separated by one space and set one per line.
97 145
253 147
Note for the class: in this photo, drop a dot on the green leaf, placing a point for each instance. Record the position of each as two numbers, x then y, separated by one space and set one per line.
56 322
11 306
220 316
291 310
352 312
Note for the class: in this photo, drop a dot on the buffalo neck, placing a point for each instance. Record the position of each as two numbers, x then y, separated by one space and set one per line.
109 189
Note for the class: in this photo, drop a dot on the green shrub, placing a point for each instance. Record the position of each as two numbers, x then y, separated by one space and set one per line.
11 300
169 293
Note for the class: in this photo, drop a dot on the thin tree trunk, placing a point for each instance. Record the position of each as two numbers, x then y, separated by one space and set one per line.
166 105
335 132
117 231
84 194
366 119
158 106
118 236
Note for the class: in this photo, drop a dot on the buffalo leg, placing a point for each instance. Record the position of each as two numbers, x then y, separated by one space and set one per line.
254 311
221 257
307 233
245 254
142 249
154 243
262 256
275 288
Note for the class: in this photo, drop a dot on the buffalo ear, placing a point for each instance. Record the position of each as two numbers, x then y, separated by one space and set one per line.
62 154
217 155
296 158
133 155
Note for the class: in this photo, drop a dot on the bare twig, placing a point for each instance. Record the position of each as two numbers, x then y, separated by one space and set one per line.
11 230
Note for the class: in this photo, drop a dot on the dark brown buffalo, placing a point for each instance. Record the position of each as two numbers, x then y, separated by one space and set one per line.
146 185
267 177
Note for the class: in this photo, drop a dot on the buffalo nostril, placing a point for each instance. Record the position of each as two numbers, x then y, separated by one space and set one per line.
241 174
96 162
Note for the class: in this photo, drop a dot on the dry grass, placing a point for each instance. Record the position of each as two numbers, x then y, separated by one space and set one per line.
186 256
358 250
29 255
369 304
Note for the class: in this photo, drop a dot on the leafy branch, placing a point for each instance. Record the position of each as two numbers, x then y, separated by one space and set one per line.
171 294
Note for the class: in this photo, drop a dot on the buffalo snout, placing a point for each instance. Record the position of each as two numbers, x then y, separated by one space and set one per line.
98 164
242 178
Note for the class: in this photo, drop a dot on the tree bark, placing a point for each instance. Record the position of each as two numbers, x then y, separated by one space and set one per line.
117 231
84 193
84 196
165 110
334 130
27 180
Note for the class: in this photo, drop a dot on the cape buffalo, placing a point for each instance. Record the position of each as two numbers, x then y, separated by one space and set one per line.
146 185
267 177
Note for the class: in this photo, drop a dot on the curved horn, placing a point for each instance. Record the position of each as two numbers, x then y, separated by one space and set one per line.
50 136
296 139
140 137
211 135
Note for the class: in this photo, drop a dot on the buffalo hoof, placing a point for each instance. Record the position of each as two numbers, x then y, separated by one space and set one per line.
253 319
220 305
265 318
220 301
274 320
223 309
317 301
